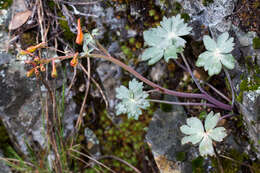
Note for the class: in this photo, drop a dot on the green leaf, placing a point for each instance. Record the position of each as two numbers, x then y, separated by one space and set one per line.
196 133
211 121
205 147
132 99
153 54
165 40
209 43
228 61
217 134
217 54
171 52
224 44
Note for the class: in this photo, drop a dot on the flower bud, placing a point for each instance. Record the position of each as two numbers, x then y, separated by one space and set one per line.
42 68
74 60
36 72
80 36
30 72
54 73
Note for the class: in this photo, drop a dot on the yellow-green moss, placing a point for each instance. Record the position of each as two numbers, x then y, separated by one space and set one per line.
256 43
4 4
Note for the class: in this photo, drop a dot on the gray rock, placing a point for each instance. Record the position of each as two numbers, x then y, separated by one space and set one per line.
21 100
158 71
92 142
164 138
110 75
251 115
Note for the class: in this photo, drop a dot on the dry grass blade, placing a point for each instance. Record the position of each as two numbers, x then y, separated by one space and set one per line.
96 161
85 97
238 162
73 79
121 160
16 160
97 85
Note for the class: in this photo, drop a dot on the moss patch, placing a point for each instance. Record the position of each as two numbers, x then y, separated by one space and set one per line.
256 43
4 4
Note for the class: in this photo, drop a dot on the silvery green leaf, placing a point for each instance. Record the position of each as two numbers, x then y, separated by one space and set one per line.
153 54
228 61
211 121
171 52
224 44
205 147
194 139
154 36
217 54
218 133
122 92
209 43
194 129
196 133
164 38
95 32
132 99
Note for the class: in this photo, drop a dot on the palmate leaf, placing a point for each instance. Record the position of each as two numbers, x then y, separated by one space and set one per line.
132 99
217 54
196 133
165 40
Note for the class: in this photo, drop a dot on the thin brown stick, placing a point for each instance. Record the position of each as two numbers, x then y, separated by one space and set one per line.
97 85
91 158
85 97
72 80
120 160
238 162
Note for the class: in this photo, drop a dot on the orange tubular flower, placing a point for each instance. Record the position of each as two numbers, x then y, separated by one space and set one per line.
54 71
30 72
74 61
32 49
79 38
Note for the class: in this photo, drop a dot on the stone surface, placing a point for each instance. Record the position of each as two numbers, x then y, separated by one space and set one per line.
164 138
21 100
92 142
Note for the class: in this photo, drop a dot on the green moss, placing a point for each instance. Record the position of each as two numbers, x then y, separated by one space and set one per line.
203 115
228 165
166 107
67 34
207 2
27 39
197 165
185 16
181 156
4 4
4 136
132 40
124 140
251 82
152 12
256 43
127 51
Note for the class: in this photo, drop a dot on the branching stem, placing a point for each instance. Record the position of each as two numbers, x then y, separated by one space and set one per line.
160 88
182 103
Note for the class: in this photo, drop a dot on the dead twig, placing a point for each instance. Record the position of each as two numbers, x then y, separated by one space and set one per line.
85 97
238 162
97 85
91 158
120 160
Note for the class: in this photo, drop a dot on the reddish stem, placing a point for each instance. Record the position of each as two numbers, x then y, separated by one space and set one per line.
163 90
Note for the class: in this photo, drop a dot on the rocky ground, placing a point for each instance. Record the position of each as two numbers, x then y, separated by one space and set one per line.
150 144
